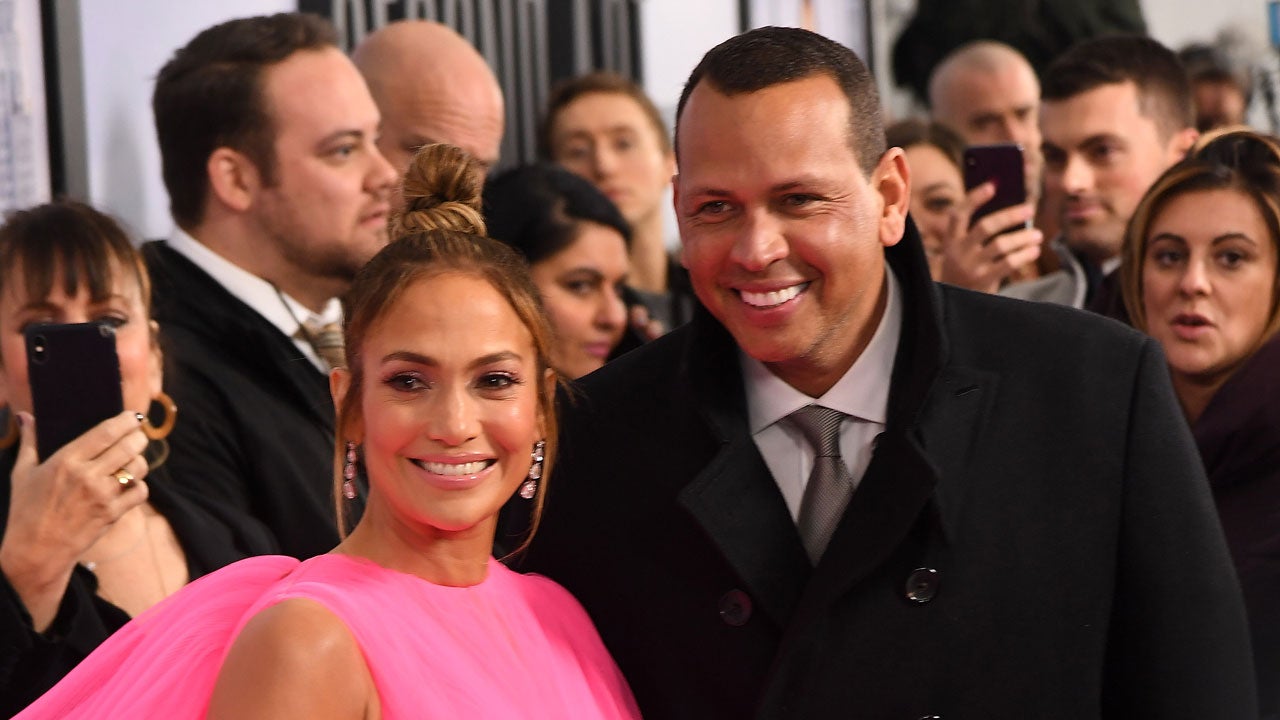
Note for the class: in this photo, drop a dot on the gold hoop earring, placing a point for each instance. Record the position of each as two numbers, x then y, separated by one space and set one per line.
170 417
11 431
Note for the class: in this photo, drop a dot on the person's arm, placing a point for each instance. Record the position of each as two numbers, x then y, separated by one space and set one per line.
60 507
1178 645
294 659
32 662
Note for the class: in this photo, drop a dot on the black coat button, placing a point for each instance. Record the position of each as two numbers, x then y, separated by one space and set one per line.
921 585
735 608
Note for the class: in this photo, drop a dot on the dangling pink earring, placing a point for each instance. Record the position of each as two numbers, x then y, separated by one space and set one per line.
530 487
349 473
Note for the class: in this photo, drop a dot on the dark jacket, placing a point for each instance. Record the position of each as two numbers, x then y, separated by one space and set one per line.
1033 538
257 420
1239 439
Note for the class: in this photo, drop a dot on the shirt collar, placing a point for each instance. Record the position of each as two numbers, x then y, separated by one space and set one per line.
278 308
862 392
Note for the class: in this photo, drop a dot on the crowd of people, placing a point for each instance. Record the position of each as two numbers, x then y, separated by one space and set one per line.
859 447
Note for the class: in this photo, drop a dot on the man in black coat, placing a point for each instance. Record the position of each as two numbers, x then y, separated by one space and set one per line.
1026 530
280 195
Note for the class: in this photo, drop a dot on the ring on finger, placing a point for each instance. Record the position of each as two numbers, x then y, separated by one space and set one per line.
124 477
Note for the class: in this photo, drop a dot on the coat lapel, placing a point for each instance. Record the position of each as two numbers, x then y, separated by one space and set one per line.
935 411
735 499
187 297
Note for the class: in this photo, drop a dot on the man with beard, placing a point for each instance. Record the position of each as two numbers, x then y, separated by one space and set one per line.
267 137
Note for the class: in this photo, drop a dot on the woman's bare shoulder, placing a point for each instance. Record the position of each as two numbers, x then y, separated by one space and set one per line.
294 658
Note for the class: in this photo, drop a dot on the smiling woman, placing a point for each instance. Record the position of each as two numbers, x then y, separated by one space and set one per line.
1200 275
447 405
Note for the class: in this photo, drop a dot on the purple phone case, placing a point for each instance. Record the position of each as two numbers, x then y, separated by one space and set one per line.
1001 164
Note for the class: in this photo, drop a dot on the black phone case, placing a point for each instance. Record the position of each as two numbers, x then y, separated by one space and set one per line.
75 381
1001 164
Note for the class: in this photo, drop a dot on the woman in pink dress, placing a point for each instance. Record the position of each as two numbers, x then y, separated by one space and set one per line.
447 407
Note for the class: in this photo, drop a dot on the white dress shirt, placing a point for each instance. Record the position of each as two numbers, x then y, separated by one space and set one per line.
279 309
862 394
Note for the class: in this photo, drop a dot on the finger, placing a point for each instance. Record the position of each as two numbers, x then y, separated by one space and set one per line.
1021 258
638 316
27 457
979 195
1009 242
132 471
102 436
1004 219
120 454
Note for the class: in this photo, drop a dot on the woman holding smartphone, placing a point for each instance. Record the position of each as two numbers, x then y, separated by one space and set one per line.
92 535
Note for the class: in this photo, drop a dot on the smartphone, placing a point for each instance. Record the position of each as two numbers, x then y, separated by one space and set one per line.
74 374
1001 164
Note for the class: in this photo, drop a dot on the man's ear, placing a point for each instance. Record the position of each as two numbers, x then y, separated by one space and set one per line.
1181 143
234 180
892 180
675 206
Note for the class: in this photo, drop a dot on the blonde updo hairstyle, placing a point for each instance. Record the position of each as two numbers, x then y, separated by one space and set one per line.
441 231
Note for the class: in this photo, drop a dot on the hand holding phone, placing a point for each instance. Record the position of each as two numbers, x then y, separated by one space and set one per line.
997 238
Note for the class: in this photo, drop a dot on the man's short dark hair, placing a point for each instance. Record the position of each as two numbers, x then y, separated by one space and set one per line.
1164 95
209 95
770 56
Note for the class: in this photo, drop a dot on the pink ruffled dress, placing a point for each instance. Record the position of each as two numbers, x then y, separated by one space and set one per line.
514 646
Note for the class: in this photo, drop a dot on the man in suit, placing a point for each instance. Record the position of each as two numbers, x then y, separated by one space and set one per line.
267 137
431 86
1003 517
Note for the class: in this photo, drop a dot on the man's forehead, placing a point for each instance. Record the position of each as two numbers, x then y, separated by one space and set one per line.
292 88
1112 103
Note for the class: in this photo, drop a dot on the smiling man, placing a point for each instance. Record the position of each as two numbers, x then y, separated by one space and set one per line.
843 490
267 138
1116 114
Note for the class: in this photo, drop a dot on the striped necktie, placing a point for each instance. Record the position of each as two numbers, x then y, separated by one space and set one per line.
326 340
830 486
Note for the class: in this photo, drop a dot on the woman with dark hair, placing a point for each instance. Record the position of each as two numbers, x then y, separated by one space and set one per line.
94 533
937 182
447 405
575 242
1200 274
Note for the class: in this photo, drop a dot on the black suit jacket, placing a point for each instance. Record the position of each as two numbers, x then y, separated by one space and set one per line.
256 426
1033 538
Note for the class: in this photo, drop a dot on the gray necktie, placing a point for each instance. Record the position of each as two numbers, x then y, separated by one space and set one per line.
830 486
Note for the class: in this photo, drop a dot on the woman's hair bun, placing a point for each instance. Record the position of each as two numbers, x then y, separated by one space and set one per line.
441 191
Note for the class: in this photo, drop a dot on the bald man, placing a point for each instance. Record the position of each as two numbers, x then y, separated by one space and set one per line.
431 86
988 93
